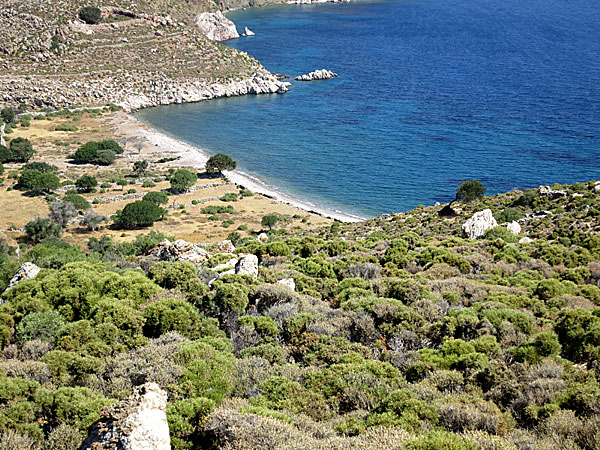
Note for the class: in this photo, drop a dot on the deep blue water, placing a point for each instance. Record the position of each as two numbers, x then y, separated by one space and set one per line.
430 92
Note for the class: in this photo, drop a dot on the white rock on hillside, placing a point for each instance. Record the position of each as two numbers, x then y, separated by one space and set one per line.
289 282
322 74
247 265
216 26
179 250
525 240
514 227
479 224
26 272
225 247
263 237
547 191
137 423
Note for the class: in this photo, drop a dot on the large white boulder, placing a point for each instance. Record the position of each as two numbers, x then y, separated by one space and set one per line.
136 423
216 26
289 282
180 250
514 227
26 272
247 265
479 224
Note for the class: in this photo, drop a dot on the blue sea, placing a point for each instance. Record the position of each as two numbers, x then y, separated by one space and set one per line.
429 92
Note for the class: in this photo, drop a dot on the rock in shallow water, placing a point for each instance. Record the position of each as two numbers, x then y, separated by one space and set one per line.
322 74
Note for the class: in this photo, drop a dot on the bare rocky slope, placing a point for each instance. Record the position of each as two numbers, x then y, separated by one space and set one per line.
141 54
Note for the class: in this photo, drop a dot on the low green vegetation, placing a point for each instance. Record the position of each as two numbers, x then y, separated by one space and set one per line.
398 331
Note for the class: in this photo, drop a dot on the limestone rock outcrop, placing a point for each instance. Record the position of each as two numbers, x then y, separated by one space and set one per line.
26 272
216 26
547 191
179 250
322 74
479 224
247 265
263 238
514 227
289 282
225 246
136 423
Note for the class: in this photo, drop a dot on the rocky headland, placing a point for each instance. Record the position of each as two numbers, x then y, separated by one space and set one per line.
139 56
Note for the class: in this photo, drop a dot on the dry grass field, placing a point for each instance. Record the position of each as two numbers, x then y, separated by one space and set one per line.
184 218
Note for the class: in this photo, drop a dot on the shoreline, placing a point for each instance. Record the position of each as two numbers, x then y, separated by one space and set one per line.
133 129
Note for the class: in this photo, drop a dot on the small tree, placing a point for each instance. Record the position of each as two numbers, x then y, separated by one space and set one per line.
91 220
21 149
270 220
157 197
122 182
36 181
138 214
182 180
90 14
61 212
7 115
41 166
220 162
1 168
5 154
41 228
470 190
80 203
104 157
140 167
86 183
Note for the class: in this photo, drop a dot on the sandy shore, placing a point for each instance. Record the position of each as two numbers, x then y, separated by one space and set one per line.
152 143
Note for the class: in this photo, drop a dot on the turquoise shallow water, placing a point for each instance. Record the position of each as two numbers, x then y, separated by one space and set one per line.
430 92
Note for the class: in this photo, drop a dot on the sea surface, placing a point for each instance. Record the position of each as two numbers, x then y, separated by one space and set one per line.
429 92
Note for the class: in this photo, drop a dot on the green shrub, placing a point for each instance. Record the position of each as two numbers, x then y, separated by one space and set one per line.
217 209
181 275
86 183
138 214
182 180
508 215
171 315
470 190
440 440
43 325
78 202
65 127
230 197
38 182
90 14
501 233
219 162
39 166
41 228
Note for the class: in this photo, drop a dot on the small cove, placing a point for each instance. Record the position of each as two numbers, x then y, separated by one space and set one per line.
429 93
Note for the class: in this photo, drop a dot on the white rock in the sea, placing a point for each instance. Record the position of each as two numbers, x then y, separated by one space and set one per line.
514 227
248 32
26 272
289 282
322 74
216 26
137 423
479 224
247 265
